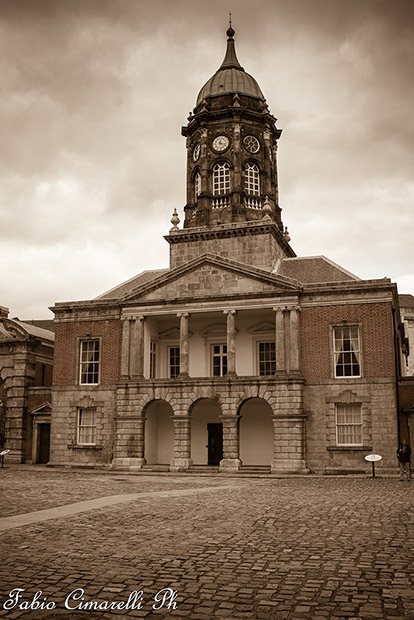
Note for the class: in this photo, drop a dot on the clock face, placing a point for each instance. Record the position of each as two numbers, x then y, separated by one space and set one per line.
220 143
197 151
251 144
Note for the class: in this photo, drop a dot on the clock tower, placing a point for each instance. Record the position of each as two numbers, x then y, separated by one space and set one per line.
231 150
232 183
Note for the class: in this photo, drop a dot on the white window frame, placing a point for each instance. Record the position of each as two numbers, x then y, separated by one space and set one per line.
221 355
252 179
169 365
354 429
221 179
346 334
153 360
197 185
259 361
84 363
82 426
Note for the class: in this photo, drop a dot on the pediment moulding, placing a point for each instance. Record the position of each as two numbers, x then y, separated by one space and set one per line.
172 334
216 329
261 328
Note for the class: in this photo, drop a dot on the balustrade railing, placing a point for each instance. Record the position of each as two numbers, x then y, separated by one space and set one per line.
220 202
253 202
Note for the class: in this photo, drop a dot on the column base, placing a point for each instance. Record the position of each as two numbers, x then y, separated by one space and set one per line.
230 465
15 457
180 464
131 463
289 466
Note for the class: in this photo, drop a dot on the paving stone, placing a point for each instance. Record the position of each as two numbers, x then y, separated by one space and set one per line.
267 549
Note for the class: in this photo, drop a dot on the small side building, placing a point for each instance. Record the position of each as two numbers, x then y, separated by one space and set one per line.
26 368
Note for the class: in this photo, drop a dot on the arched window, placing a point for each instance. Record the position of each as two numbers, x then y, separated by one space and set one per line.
197 185
221 179
252 179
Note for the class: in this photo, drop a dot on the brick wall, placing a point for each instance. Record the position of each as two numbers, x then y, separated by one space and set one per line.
376 333
67 349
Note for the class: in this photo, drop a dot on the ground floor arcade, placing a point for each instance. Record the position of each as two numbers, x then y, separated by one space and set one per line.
223 423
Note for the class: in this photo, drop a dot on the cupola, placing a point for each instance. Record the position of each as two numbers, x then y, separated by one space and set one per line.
230 77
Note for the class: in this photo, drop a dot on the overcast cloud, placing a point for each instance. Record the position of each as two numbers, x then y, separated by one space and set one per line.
92 163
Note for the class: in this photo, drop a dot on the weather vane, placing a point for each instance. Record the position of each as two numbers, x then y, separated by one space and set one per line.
229 19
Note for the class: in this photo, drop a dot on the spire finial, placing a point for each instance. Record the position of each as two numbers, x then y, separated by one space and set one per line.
230 32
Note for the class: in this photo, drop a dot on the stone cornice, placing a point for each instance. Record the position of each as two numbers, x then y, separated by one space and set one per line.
224 231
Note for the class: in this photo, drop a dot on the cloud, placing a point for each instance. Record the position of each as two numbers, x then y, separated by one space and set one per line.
92 162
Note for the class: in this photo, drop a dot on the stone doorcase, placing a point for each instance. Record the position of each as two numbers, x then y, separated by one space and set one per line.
41 415
283 395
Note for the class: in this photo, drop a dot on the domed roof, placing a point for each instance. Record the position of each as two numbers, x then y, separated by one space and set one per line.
230 77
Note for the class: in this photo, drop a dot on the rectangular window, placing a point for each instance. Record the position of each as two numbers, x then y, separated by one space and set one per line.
267 358
219 360
89 362
153 359
86 427
174 361
347 351
349 425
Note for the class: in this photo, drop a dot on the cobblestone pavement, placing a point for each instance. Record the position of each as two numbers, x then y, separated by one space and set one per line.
293 548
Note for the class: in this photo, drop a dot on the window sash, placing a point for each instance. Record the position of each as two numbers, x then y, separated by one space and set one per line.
348 424
252 180
174 361
347 351
219 360
89 362
86 427
153 359
221 179
267 358
197 185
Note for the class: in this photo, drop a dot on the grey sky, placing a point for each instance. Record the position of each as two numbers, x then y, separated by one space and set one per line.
92 163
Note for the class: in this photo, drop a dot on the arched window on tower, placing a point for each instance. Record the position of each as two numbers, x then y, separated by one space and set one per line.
221 185
252 186
197 186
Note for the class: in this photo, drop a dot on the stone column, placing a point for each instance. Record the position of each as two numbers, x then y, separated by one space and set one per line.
183 343
289 444
137 348
231 443
294 339
125 348
182 443
129 443
231 342
280 341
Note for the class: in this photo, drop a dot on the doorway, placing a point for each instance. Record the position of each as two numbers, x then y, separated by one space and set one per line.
215 443
44 443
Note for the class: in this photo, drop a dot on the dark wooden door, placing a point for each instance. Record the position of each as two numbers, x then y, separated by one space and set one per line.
44 443
215 443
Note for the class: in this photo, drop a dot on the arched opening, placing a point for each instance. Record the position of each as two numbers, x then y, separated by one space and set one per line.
159 433
256 432
206 433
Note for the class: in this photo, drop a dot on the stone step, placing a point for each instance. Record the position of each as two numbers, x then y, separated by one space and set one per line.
155 467
255 469
204 468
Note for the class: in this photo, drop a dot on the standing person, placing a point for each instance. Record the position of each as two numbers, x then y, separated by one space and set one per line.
403 455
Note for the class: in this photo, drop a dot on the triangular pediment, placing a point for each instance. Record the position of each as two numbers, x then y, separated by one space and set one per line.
209 276
260 328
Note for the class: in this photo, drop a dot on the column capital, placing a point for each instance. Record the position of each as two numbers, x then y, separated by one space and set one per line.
137 317
229 311
184 315
279 308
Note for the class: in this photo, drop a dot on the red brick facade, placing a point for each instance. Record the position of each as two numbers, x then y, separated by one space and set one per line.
68 336
376 338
